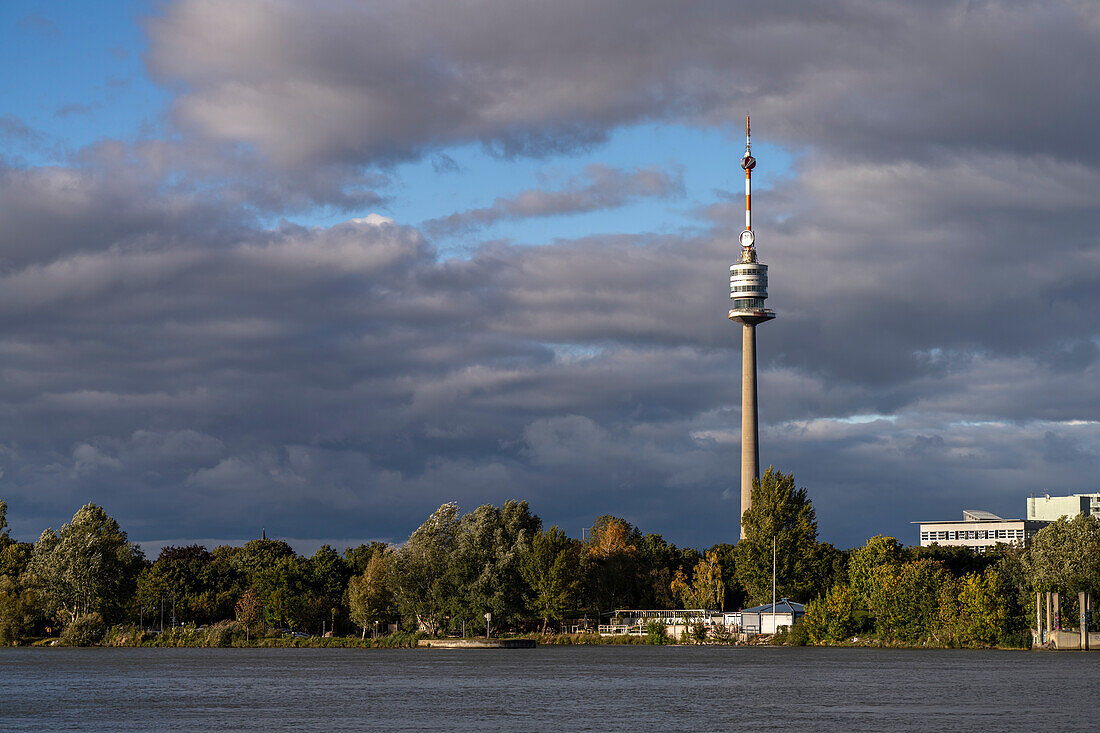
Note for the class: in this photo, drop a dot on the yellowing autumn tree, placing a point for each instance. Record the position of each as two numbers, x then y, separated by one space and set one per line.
707 589
609 557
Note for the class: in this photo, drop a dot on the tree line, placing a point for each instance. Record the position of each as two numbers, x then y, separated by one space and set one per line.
455 568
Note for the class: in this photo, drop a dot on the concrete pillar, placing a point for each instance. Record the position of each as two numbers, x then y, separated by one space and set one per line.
750 447
1082 610
1057 611
1050 615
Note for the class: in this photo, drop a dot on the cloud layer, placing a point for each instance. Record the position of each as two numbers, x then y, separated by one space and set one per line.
933 252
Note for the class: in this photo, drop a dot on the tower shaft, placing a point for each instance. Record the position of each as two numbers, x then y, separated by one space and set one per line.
750 447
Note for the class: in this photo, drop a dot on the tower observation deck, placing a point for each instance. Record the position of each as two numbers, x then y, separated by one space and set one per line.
748 291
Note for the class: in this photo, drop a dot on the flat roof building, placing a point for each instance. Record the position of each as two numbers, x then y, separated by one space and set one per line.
979 530
762 619
1049 508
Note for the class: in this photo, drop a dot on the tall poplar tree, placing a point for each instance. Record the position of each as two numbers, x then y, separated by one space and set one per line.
783 511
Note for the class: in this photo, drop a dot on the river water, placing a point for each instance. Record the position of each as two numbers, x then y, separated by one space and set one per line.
549 688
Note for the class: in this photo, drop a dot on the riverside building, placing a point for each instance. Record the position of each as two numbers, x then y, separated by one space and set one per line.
979 530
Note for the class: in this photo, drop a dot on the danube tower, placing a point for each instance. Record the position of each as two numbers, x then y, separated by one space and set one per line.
748 290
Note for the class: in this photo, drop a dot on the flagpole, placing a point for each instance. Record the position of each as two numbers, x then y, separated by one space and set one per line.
773 584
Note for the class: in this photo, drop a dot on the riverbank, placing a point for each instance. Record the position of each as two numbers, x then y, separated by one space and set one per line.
230 634
227 634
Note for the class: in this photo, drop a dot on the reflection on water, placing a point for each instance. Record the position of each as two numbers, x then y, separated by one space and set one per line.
563 688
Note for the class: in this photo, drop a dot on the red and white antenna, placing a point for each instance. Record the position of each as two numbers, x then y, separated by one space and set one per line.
748 163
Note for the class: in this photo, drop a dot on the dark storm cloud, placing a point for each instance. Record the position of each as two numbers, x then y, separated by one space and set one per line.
348 378
349 81
933 252
601 187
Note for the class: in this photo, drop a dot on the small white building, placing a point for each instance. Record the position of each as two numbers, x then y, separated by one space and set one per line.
766 620
979 530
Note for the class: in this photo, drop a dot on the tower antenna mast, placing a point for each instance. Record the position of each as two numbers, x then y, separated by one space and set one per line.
748 175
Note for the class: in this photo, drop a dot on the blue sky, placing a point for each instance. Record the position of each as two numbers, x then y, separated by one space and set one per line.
197 333
76 74
82 79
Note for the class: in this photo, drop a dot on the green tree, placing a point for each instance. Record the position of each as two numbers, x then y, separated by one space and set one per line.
947 612
982 617
329 576
456 568
88 567
609 562
150 592
19 605
957 560
258 557
863 564
181 573
5 538
727 558
358 557
782 511
286 593
709 583
369 597
914 599
18 610
423 580
551 569
707 587
224 579
654 562
832 618
831 568
1064 556
486 563
1015 591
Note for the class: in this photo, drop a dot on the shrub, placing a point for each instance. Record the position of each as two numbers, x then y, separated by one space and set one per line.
399 639
224 633
124 636
656 633
723 634
797 635
85 630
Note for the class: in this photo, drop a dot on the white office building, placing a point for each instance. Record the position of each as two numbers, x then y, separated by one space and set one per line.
1049 508
979 530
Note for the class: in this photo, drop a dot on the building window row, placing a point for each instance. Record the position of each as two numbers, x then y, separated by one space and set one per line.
973 534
